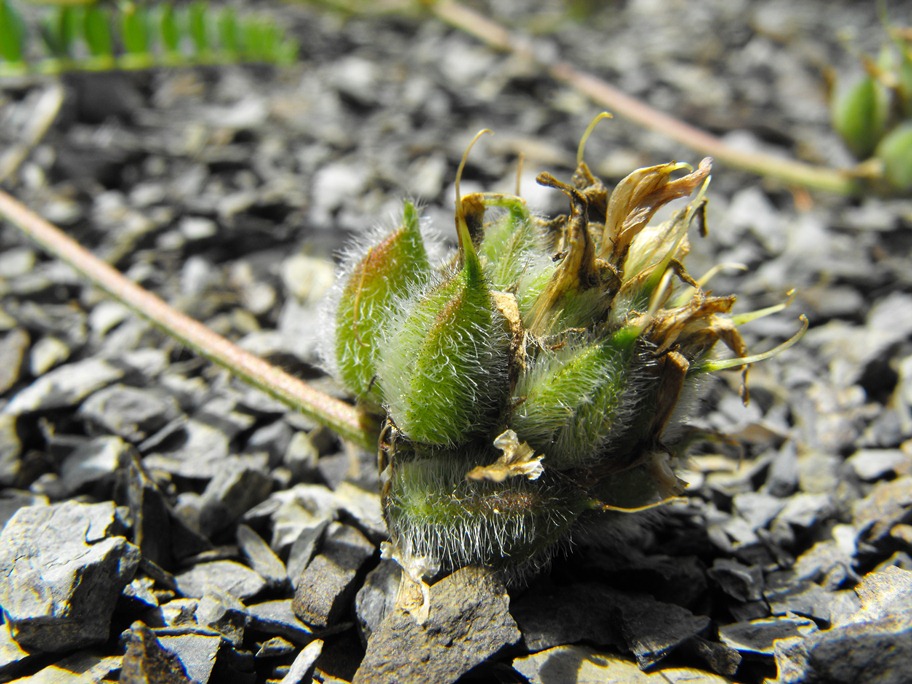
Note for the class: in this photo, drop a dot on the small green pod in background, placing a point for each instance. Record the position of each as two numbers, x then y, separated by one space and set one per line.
860 113
444 366
376 282
895 151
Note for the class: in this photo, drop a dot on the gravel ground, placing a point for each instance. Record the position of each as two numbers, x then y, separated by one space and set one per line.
163 522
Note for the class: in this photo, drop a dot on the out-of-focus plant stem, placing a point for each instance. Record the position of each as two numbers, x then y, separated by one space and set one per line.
343 418
603 93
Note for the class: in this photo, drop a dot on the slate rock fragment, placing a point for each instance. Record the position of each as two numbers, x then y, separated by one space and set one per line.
93 465
888 503
468 621
758 637
64 386
79 668
276 647
207 657
13 348
324 590
64 566
146 660
223 613
377 597
262 558
236 488
277 617
606 617
742 582
871 646
301 670
226 575
10 451
132 413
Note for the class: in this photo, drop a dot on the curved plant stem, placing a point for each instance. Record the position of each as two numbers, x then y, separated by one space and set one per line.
346 420
603 93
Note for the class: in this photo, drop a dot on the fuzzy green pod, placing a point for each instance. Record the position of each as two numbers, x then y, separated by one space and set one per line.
444 366
860 114
570 402
527 386
368 299
513 253
514 525
895 151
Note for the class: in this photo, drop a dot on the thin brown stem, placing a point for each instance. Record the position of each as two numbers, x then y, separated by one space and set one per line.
344 419
604 94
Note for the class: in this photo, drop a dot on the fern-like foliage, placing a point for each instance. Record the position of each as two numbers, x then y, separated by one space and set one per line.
131 35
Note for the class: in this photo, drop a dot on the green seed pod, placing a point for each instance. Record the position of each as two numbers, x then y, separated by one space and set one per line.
444 367
513 252
860 113
571 402
895 151
382 275
514 525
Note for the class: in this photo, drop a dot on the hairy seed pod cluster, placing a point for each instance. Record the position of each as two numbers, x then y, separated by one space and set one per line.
527 383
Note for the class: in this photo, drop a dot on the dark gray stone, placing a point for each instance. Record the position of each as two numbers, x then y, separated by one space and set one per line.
304 547
468 621
273 439
65 566
10 451
79 669
277 617
64 386
563 615
146 660
650 629
872 646
782 478
198 653
875 464
276 647
262 558
324 589
828 563
806 599
301 670
301 457
149 510
94 464
13 348
236 488
226 575
377 597
758 637
133 413
885 506
739 581
223 613
756 508
187 448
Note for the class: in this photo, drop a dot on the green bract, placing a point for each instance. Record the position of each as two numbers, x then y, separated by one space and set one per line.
527 383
